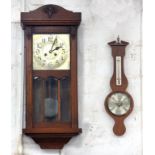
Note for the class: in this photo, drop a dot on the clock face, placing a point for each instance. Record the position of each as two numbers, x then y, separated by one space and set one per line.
51 51
119 104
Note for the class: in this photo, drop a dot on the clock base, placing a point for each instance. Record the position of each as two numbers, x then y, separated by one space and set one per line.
52 140
51 143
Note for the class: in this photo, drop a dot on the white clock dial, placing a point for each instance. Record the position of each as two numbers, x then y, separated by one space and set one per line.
119 103
51 51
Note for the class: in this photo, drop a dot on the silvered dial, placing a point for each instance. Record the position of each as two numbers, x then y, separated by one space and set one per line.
119 104
51 51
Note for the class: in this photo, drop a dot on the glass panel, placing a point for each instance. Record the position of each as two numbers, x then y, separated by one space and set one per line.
51 51
45 99
65 99
38 85
51 101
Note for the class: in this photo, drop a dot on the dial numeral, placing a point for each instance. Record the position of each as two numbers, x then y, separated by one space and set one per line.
39 57
50 39
37 51
39 45
57 62
43 40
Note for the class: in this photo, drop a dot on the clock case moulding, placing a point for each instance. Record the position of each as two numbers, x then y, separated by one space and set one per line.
51 16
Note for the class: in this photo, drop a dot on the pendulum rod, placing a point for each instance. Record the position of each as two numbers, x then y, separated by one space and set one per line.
59 100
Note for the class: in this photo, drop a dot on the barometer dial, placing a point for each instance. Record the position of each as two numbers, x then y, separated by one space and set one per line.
119 104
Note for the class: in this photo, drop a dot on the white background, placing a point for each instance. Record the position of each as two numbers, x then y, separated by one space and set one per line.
148 78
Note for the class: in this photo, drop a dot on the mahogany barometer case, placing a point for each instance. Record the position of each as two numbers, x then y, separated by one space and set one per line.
50 42
119 103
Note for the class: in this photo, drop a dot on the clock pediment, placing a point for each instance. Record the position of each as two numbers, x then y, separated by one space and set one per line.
50 15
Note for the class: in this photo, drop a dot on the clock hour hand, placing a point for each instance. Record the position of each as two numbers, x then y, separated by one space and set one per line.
58 47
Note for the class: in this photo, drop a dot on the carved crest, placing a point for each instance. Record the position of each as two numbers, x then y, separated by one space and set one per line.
50 10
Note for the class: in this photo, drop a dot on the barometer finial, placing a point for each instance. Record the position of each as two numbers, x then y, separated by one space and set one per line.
118 39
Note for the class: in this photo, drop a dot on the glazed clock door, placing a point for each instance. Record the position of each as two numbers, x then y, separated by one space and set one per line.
51 79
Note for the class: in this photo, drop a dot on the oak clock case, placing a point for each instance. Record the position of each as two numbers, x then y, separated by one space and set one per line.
50 41
119 102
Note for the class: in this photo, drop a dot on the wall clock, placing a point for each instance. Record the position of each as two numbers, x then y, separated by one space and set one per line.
119 102
50 41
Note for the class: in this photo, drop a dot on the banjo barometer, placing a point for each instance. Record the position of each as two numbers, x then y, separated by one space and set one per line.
119 102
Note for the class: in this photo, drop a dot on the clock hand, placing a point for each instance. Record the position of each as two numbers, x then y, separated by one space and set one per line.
55 49
55 41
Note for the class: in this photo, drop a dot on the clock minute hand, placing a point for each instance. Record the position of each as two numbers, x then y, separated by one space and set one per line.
55 40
